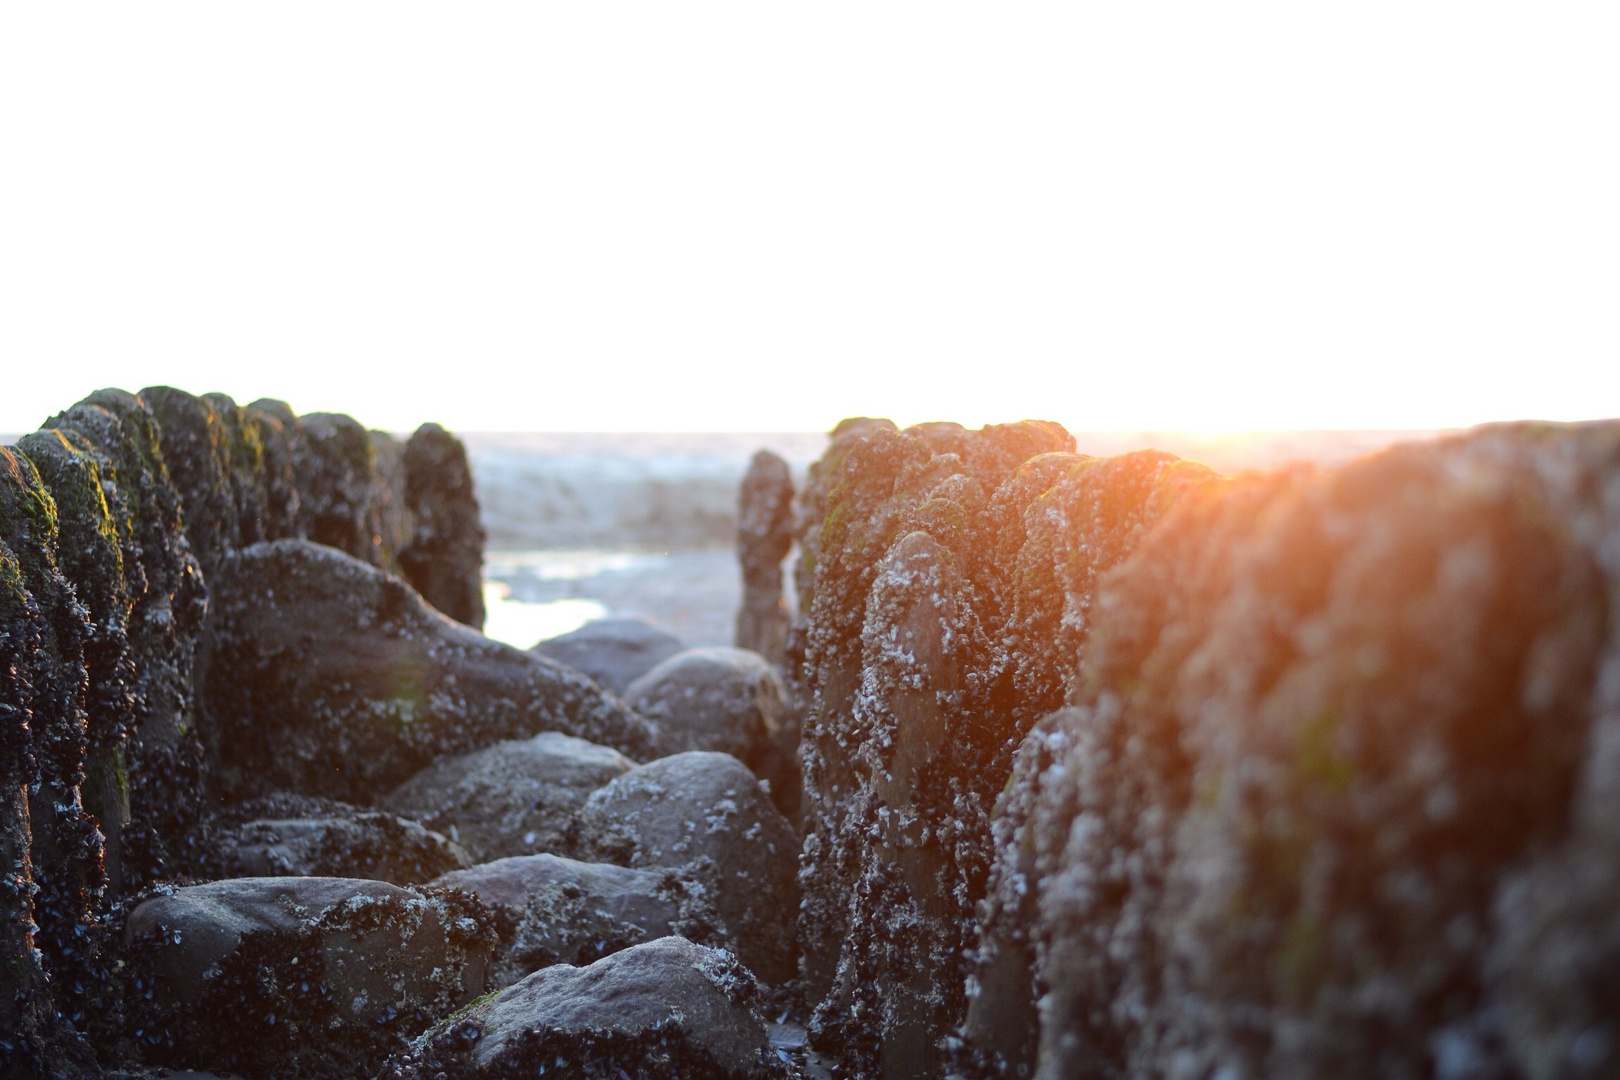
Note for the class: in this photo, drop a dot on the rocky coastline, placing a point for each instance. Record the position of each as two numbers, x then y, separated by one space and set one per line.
1064 766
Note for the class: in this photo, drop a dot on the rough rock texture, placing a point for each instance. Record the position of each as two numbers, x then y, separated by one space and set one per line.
951 597
108 516
281 438
216 459
554 910
765 526
197 453
65 853
90 556
1312 811
666 1010
337 484
34 1035
445 557
161 778
307 977
614 652
707 809
517 797
324 676
731 701
304 836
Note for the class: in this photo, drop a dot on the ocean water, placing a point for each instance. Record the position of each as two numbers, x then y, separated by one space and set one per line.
532 595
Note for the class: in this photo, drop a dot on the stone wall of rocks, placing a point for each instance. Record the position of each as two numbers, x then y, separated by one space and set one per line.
1114 768
126 717
1109 767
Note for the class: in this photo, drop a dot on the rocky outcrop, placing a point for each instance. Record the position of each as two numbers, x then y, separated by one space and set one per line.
445 556
706 811
666 1010
158 779
321 977
113 517
517 797
322 675
614 652
765 525
952 590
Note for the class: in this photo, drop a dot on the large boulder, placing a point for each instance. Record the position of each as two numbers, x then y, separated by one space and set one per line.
445 556
517 797
303 836
731 701
707 810
614 652
299 976
666 1010
561 911
324 676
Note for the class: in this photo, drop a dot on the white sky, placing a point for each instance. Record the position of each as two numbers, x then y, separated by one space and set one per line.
760 216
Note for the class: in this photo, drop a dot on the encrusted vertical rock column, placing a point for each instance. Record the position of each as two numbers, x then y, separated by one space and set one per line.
1311 811
445 559
90 556
27 1018
285 445
167 603
394 519
764 537
63 856
883 962
337 482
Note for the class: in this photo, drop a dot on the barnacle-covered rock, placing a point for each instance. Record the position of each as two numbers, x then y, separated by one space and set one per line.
1321 718
304 836
517 797
163 762
554 910
35 1040
731 701
321 977
954 578
706 808
324 676
282 437
66 869
91 557
336 466
197 452
445 556
666 1010
615 652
